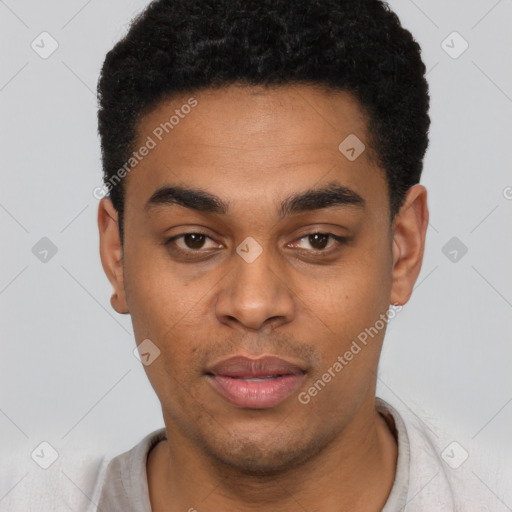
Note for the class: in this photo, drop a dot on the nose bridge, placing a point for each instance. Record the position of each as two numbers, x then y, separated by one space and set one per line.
254 272
254 292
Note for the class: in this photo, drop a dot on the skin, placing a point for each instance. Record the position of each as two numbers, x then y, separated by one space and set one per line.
253 147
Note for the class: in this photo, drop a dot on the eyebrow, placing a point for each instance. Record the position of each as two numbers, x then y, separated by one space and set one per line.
333 194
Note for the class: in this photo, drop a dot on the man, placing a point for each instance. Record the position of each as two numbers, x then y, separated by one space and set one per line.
262 163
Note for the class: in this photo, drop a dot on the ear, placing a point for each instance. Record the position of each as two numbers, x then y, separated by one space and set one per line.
410 227
111 253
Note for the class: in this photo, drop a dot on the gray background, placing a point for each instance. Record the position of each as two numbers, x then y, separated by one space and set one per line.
68 375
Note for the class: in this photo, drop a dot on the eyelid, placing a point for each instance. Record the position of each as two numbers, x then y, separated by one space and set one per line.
168 241
325 233
328 251
339 240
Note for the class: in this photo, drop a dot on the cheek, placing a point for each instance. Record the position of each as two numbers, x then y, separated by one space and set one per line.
350 347
169 311
356 293
174 373
158 297
173 369
352 304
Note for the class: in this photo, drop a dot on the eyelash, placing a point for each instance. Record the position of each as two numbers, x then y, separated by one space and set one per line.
317 253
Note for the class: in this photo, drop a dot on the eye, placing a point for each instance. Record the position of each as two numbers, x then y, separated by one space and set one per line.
318 242
189 242
195 244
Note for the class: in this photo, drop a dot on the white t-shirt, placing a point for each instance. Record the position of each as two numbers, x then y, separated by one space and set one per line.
424 482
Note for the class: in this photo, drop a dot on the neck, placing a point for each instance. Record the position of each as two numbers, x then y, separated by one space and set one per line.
355 472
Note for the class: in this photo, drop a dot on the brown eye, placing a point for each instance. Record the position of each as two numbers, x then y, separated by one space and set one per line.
191 245
319 240
194 240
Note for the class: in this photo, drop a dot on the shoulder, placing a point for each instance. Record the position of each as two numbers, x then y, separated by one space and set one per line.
67 484
73 479
123 485
442 475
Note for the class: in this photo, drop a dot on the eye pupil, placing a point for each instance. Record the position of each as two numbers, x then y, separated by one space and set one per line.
194 240
314 240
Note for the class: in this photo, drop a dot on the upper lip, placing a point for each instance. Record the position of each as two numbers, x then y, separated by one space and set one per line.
245 367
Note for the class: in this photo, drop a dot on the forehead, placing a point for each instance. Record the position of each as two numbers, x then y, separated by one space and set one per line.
256 116
253 141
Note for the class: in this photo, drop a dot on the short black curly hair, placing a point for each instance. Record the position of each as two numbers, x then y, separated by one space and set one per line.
358 46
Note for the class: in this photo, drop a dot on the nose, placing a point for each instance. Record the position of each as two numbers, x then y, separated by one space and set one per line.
255 295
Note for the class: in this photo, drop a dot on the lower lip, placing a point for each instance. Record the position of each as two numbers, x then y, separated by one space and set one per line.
256 394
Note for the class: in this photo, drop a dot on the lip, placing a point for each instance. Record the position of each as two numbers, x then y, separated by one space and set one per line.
278 380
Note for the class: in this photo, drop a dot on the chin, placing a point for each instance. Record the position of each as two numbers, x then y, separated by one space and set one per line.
263 458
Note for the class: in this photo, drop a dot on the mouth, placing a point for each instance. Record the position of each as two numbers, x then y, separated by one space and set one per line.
255 383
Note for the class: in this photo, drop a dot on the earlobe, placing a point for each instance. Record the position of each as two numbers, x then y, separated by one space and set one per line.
410 228
121 308
111 253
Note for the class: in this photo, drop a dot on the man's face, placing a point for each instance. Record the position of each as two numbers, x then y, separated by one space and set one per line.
284 292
